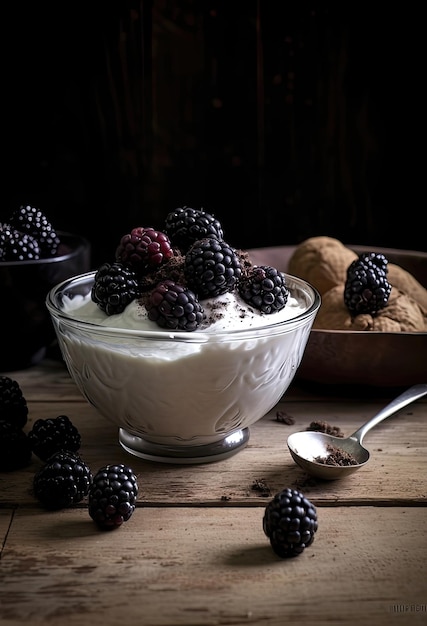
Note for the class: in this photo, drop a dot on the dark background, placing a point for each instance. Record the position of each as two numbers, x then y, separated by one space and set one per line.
285 120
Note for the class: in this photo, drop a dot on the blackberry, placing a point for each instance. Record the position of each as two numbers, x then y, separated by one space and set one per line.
264 288
115 286
186 225
144 249
367 289
172 306
16 245
48 436
15 449
112 496
290 523
34 222
211 268
64 480
13 405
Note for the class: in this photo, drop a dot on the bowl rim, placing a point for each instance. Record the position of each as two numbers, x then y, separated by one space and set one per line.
415 254
194 336
381 333
78 243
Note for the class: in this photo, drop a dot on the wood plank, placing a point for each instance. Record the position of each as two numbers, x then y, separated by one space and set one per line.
394 473
6 516
49 380
211 566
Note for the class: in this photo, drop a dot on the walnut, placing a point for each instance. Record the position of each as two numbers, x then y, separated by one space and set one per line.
322 261
407 284
402 314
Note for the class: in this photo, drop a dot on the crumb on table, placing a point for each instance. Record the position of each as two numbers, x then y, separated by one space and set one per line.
284 418
323 427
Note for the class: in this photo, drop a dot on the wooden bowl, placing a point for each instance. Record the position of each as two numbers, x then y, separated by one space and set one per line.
375 359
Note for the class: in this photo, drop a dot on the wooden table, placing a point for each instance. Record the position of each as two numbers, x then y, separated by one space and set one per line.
194 552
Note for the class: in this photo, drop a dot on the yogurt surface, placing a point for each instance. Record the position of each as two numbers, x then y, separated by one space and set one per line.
223 313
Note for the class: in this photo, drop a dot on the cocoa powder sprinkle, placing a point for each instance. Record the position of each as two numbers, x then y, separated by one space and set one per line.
337 457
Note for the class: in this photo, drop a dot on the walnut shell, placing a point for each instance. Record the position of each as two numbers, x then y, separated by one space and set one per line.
322 261
407 284
402 314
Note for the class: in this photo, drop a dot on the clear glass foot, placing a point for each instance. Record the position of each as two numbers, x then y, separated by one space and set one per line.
230 445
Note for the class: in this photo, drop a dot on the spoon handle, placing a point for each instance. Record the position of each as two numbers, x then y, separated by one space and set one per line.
408 396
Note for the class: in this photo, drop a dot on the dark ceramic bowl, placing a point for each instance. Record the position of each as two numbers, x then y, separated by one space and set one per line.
25 324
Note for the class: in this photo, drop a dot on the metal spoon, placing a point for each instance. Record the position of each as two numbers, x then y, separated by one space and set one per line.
307 446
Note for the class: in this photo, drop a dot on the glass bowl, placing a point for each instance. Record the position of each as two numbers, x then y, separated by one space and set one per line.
27 330
181 397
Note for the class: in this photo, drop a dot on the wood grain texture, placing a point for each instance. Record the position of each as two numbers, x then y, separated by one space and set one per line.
194 552
393 475
211 566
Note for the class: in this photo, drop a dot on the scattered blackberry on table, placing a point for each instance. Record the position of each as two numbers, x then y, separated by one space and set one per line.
211 268
13 405
112 496
114 287
64 480
186 225
290 523
144 249
51 435
367 289
265 289
34 222
16 245
172 306
15 449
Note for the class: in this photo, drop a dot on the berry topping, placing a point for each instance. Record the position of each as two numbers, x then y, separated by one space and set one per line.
16 245
15 450
34 222
264 288
211 268
144 249
13 405
367 289
186 225
172 270
172 306
112 496
290 522
64 480
52 435
115 286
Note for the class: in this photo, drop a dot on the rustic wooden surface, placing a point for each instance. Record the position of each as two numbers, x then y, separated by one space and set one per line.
194 552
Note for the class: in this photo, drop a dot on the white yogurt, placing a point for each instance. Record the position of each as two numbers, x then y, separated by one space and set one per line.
235 314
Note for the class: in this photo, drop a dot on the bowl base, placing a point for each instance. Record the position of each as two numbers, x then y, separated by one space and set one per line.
184 455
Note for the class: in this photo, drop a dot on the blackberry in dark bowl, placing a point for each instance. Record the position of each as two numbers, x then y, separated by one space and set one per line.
27 272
